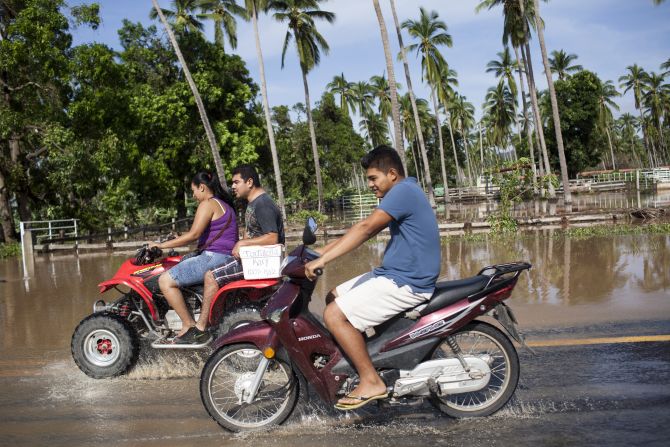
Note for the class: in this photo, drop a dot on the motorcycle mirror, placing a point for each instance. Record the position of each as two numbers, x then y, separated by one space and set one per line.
309 233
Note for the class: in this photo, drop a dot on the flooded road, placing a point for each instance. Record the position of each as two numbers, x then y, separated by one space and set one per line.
604 394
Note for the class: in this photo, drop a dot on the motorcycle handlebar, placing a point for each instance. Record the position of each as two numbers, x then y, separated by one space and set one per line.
318 272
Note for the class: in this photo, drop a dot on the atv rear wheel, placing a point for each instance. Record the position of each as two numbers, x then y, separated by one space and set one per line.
237 317
104 345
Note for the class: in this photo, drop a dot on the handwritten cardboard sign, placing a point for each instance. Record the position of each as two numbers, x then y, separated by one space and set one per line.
261 261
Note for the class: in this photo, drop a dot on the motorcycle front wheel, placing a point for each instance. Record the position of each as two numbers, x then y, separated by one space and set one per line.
481 339
226 379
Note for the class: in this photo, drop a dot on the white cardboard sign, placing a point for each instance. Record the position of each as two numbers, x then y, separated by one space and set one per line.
261 261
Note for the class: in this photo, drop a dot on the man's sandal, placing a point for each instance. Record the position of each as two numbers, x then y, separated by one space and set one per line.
361 400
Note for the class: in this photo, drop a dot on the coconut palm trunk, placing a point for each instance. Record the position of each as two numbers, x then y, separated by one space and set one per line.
466 149
554 106
609 140
539 127
415 111
529 137
220 172
453 142
312 135
441 145
393 89
268 119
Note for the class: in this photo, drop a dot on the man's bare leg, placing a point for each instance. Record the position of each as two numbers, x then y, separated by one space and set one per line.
210 289
352 343
175 299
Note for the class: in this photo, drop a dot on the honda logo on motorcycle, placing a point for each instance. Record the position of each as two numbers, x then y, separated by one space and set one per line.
309 337
426 329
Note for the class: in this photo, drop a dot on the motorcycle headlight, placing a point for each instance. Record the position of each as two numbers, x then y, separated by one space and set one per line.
287 260
275 316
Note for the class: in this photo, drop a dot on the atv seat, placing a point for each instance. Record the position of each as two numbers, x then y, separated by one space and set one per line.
449 292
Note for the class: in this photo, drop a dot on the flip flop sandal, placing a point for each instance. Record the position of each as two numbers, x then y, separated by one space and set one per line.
362 400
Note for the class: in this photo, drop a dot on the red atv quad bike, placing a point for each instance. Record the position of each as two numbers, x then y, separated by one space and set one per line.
107 342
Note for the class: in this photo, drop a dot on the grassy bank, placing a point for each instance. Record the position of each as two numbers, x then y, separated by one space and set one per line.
573 233
10 250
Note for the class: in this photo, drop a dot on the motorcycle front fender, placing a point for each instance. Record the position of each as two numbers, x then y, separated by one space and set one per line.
258 333
507 320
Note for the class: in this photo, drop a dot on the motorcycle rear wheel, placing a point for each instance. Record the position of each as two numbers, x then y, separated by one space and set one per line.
104 345
225 378
480 338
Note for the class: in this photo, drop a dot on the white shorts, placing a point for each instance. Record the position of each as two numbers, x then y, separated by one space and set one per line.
368 301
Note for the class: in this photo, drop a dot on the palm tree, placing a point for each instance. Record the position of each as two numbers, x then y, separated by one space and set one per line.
499 108
376 129
415 110
446 94
655 97
666 66
251 11
220 172
393 89
567 196
605 106
634 81
182 17
431 33
362 96
463 115
222 13
561 63
300 15
503 68
381 91
518 16
341 87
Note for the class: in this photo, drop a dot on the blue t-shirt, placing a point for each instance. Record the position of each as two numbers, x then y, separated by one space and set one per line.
412 257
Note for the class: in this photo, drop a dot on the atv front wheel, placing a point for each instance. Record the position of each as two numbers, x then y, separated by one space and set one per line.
104 345
238 317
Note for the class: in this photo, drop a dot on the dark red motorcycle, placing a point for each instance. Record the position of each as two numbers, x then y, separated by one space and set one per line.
107 342
439 350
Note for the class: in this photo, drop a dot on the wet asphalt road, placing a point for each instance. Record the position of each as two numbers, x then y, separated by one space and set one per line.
600 394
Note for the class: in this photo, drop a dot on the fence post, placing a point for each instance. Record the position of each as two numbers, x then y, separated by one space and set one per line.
125 231
76 234
174 226
26 250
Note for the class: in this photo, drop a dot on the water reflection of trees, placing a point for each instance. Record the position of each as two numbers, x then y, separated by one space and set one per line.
568 271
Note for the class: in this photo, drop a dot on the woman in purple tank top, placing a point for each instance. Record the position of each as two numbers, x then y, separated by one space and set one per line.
215 229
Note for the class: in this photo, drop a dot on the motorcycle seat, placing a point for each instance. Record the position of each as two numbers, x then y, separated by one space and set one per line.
449 292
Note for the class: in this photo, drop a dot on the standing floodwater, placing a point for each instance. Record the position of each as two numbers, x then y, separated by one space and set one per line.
576 285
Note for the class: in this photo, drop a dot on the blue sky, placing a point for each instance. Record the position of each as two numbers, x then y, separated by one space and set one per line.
607 35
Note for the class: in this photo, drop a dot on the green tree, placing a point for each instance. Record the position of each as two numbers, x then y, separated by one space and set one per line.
499 108
579 100
562 64
186 23
300 16
34 47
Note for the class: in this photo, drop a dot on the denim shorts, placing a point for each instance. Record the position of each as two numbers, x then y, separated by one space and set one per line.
192 270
